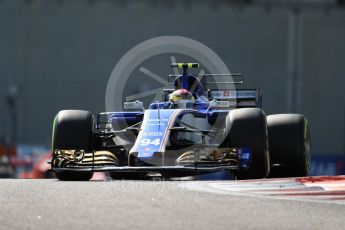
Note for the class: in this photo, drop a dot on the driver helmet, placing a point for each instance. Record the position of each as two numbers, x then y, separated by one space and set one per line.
182 98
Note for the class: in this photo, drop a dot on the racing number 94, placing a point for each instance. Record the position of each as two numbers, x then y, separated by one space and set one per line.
146 141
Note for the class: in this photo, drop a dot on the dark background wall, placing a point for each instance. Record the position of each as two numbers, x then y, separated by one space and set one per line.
61 54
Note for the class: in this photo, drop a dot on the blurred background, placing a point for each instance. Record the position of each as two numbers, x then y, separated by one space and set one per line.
59 54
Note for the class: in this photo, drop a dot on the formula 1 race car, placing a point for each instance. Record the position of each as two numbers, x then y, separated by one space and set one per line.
194 130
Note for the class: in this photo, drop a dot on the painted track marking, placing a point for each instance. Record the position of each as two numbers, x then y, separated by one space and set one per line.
329 189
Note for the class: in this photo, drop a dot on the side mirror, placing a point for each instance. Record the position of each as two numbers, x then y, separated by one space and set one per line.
134 105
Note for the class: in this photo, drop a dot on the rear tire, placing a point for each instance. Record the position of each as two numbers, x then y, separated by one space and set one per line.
247 127
73 130
289 145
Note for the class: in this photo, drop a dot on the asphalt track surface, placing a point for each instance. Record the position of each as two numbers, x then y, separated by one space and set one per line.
52 204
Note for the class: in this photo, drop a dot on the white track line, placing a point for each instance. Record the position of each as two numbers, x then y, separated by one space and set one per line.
279 189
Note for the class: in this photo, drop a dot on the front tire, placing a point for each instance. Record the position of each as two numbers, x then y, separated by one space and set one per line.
247 127
73 130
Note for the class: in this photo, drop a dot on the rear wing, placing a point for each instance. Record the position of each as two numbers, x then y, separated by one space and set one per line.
212 79
239 98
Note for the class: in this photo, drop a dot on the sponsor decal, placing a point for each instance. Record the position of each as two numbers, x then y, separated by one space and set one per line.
145 134
233 94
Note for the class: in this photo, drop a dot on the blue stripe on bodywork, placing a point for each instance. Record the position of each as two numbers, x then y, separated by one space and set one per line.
153 131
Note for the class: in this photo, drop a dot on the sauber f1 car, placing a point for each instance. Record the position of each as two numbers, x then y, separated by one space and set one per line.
194 130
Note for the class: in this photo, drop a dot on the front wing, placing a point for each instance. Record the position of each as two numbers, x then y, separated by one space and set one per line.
148 169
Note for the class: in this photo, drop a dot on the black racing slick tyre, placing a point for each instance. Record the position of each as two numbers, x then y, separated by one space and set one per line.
73 130
247 127
289 144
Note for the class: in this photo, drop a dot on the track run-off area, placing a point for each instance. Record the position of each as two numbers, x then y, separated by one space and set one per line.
292 203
